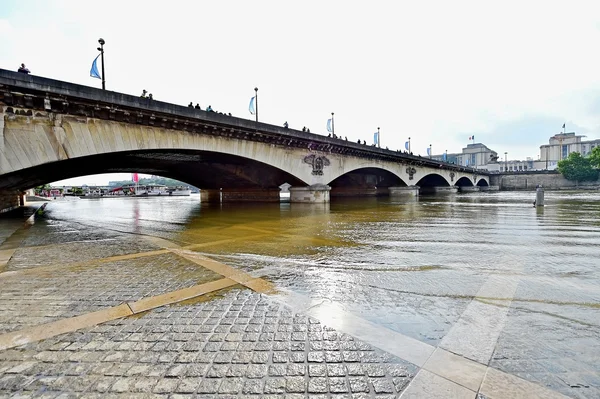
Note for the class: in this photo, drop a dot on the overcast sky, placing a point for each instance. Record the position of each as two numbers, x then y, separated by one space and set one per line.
508 72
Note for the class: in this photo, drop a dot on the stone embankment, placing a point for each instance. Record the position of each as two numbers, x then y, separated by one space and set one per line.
550 180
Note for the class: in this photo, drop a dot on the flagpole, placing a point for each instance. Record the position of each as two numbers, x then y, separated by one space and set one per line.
256 102
332 126
101 49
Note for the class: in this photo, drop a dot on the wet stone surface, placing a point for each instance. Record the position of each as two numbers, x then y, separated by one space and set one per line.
552 354
49 295
55 242
239 344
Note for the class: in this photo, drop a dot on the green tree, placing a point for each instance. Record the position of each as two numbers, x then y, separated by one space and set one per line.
577 168
594 157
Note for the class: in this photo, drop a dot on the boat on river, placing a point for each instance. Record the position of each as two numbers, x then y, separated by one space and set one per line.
180 191
152 190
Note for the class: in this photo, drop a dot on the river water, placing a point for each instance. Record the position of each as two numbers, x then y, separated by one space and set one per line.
420 267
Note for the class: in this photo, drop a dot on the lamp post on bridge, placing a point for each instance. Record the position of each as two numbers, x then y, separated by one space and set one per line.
409 145
446 158
378 138
101 50
505 162
256 102
429 151
332 126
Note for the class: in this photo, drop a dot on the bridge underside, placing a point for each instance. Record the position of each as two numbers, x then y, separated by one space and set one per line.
206 170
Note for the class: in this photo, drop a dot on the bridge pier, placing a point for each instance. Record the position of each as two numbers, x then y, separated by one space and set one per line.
317 193
412 191
210 196
439 190
240 195
10 199
469 189
489 188
354 191
250 194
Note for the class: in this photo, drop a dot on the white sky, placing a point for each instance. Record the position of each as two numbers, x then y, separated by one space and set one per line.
509 72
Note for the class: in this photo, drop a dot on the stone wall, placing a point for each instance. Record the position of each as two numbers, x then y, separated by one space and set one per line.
548 179
9 200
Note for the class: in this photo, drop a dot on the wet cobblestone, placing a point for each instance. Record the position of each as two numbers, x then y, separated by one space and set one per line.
51 295
223 347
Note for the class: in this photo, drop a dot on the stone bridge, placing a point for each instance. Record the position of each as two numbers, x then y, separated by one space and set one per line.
52 130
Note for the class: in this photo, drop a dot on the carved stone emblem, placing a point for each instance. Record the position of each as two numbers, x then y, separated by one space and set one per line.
452 176
317 162
411 171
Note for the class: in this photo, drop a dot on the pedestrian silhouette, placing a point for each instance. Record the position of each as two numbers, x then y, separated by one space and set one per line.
191 105
143 93
285 124
197 106
23 69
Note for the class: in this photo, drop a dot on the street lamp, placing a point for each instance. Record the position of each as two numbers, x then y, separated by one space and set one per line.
429 151
332 126
101 50
505 162
378 138
446 159
409 145
256 102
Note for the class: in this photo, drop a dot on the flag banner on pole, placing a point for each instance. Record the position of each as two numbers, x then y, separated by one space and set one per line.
406 145
94 71
428 151
564 124
467 162
376 138
135 177
473 138
444 156
251 106
329 125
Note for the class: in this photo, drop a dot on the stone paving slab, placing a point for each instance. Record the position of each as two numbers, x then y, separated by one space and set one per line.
242 343
49 295
566 362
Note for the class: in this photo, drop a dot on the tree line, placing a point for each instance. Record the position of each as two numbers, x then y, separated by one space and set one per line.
579 168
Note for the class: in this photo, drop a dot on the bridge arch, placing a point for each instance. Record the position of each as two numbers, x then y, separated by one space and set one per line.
365 181
483 183
433 180
203 169
464 182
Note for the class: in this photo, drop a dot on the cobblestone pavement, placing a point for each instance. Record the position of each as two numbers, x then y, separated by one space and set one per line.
239 344
55 242
49 295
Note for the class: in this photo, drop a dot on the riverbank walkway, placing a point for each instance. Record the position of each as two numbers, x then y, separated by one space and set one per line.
94 313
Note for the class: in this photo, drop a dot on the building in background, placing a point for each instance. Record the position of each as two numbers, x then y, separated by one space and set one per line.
560 146
475 155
